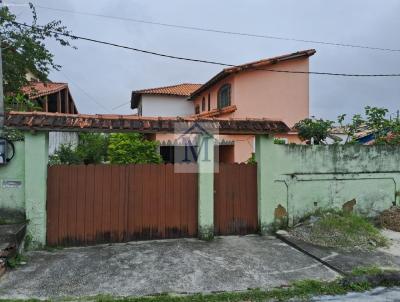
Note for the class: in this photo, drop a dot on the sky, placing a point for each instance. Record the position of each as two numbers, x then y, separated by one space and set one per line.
101 77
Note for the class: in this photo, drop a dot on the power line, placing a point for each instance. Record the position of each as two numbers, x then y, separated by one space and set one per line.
226 32
207 61
83 90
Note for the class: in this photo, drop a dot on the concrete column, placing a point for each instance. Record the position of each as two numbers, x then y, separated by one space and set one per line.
263 152
205 162
36 159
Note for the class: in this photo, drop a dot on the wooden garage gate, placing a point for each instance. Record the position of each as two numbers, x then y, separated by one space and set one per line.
235 200
117 203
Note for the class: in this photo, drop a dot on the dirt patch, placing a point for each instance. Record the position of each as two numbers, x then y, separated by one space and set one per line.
339 229
390 219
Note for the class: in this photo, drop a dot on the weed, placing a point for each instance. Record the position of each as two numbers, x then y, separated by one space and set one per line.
16 260
335 228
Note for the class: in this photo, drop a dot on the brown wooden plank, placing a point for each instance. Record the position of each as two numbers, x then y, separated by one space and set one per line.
63 209
169 202
115 202
90 233
80 204
106 221
123 203
161 200
52 205
98 204
176 205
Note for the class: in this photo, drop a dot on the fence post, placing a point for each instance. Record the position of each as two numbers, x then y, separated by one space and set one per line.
205 162
36 159
263 148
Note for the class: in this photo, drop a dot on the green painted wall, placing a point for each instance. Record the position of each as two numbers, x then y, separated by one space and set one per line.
12 197
206 188
304 178
36 159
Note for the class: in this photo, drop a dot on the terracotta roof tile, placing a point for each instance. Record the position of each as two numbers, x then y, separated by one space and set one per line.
252 65
184 89
38 89
126 123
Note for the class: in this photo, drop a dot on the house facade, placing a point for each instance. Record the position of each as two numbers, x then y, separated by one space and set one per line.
275 88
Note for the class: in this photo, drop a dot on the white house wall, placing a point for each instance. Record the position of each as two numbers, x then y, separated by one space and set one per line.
162 105
56 139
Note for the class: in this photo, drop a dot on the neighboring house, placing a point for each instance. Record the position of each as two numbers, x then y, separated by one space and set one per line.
164 101
262 89
53 97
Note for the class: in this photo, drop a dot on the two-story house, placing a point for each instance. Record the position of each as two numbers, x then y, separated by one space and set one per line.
275 88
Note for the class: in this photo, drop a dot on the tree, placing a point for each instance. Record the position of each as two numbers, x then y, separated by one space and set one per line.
91 149
23 49
132 148
384 130
316 130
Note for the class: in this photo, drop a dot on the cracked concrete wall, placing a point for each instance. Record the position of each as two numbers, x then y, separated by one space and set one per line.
302 178
12 183
36 160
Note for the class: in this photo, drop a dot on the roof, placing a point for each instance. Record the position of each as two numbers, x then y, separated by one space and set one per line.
252 65
46 121
216 112
38 89
185 89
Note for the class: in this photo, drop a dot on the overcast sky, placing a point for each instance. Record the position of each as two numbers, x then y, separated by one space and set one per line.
107 75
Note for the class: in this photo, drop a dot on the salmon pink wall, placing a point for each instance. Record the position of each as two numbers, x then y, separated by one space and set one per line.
263 94
274 95
214 94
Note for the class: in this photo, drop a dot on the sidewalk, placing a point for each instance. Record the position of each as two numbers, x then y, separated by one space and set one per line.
174 266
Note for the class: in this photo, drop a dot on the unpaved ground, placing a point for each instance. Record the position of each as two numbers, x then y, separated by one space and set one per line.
148 267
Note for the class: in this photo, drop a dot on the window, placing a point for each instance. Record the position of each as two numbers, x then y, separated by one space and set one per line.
224 96
197 109
203 104
209 102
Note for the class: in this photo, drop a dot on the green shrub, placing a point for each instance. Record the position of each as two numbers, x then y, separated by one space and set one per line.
132 148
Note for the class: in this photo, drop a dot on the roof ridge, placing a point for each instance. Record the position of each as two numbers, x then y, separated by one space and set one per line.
167 86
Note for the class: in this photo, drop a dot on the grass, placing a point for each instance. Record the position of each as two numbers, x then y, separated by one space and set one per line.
301 290
340 229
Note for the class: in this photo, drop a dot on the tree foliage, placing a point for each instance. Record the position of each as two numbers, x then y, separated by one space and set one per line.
91 149
376 122
23 49
132 148
316 130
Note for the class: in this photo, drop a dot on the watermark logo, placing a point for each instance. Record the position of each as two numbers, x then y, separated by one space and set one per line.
195 147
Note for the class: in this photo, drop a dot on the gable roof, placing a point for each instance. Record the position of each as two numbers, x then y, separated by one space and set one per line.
252 65
38 89
184 89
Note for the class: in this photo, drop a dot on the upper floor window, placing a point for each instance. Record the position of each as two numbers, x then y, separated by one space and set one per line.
209 102
224 96
203 104
197 109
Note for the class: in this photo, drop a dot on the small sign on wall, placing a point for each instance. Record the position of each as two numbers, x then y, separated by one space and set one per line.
14 184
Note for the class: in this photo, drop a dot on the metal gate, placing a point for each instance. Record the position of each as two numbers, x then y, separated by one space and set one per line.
235 200
117 203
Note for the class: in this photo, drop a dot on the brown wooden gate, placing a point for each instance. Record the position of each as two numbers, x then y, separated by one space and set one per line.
235 202
117 203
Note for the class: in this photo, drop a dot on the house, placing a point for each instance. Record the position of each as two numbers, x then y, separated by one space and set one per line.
52 97
164 101
276 88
